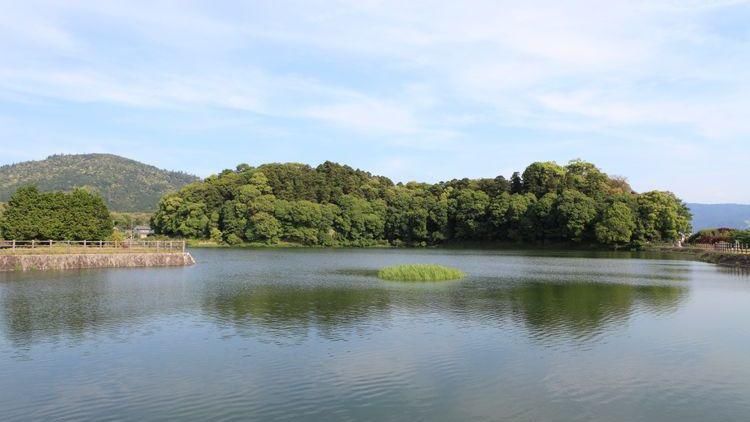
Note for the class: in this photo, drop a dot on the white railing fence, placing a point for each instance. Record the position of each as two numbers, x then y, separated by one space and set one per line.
738 248
150 245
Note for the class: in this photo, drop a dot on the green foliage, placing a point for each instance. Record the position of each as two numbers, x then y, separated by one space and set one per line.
216 235
662 216
616 226
126 185
576 212
711 236
335 205
742 236
420 272
469 210
127 220
543 178
263 227
78 215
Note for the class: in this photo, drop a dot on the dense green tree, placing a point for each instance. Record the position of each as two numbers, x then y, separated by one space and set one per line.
662 216
359 220
544 218
510 217
516 183
263 227
616 226
742 236
576 212
468 209
78 215
333 204
542 178
586 178
406 216
492 187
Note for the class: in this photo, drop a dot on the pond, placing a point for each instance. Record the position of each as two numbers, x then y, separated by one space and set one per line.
314 335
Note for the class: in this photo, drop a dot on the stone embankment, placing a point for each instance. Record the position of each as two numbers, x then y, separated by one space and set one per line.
37 262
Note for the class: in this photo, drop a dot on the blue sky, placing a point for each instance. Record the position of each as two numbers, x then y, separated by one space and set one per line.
656 91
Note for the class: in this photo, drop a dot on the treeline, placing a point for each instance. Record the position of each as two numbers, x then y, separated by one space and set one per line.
34 215
334 205
711 236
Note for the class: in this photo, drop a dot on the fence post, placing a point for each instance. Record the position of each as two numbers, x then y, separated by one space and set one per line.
14 244
183 246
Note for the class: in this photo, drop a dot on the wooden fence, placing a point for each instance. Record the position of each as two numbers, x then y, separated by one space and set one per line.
90 246
737 248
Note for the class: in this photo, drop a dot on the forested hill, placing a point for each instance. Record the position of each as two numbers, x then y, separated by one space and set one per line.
334 204
125 185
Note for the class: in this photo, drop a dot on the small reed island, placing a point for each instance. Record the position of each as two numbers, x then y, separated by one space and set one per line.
420 272
37 255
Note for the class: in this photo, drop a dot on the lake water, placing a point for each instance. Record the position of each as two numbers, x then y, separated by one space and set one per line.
313 335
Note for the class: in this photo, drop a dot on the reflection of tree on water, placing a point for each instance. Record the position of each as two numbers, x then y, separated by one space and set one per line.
558 310
546 310
72 309
293 311
31 314
584 310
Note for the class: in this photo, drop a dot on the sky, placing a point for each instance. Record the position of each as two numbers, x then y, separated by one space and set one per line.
655 91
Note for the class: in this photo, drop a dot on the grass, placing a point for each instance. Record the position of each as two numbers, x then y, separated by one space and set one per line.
420 272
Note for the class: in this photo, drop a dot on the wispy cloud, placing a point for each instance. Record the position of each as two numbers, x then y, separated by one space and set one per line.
516 77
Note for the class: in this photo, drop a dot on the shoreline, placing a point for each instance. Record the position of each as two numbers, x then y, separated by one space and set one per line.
724 259
697 254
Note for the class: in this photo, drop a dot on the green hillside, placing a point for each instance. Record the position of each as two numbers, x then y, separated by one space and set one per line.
126 185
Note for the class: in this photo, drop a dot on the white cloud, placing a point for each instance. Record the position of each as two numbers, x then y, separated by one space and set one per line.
419 74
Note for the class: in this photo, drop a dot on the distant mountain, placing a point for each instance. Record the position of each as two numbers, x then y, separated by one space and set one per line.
707 216
126 185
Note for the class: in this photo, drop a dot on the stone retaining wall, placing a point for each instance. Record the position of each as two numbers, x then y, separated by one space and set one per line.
79 261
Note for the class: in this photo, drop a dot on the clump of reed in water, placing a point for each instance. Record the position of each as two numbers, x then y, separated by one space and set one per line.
420 272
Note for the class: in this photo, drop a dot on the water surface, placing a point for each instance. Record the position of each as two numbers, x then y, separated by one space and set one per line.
313 335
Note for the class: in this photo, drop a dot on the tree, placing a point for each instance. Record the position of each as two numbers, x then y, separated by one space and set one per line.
263 227
616 226
516 184
662 216
493 187
407 218
469 210
576 212
334 204
509 217
544 218
543 177
78 215
359 220
586 178
742 236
